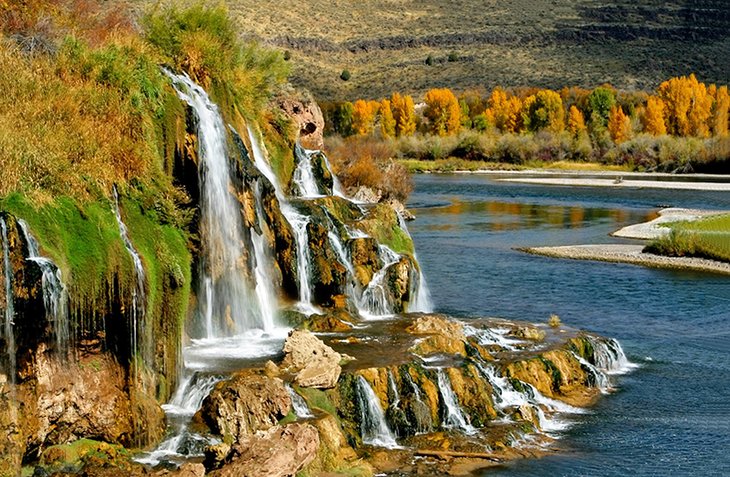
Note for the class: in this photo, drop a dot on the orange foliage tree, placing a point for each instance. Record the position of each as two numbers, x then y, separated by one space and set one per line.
504 111
720 112
576 121
443 111
619 125
404 113
689 106
654 117
387 121
363 116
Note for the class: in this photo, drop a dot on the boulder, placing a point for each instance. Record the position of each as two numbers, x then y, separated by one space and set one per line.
366 194
244 404
315 364
278 452
437 325
307 115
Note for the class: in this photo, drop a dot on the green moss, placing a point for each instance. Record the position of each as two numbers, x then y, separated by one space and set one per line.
317 399
556 375
383 225
288 419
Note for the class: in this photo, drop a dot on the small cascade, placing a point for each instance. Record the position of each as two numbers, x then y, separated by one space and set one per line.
373 428
55 297
7 331
504 393
596 376
182 443
454 417
297 221
303 178
492 337
139 294
609 356
393 390
421 301
337 189
265 293
230 299
375 301
299 404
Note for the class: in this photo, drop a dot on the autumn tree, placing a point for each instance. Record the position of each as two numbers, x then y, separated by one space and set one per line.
720 112
654 117
619 125
600 102
387 121
576 121
442 111
504 111
343 117
363 116
688 106
544 110
404 113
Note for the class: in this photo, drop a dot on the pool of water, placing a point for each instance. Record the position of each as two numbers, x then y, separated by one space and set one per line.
672 415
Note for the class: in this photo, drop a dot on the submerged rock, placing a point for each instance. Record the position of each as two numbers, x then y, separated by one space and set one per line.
315 364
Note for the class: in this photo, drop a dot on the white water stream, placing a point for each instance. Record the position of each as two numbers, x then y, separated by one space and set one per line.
373 427
8 333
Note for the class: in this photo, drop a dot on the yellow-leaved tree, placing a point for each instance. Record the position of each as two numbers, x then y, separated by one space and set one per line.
443 111
404 113
688 104
387 121
720 112
654 117
363 116
504 111
543 110
576 121
619 125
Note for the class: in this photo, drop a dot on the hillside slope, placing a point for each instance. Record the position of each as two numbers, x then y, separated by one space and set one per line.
546 43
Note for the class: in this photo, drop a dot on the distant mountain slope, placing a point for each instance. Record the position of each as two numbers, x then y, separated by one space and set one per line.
473 43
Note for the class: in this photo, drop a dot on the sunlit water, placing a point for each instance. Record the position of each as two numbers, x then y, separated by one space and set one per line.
669 417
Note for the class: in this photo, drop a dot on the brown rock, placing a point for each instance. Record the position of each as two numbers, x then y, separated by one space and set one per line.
437 325
305 112
244 404
316 364
279 452
271 369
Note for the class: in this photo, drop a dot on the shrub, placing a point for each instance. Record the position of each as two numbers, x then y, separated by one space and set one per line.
345 75
554 321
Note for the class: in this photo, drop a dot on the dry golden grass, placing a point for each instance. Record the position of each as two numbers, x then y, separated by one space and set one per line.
544 43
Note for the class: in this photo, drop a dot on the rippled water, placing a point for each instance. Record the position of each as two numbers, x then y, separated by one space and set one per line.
670 417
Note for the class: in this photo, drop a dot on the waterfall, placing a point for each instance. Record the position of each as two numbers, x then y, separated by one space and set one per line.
299 404
420 294
297 221
55 296
188 398
393 390
373 428
336 184
304 180
609 356
265 293
139 295
454 417
596 377
375 301
229 297
7 331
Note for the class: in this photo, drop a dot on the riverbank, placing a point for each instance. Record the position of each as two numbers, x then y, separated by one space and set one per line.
658 228
633 254
622 182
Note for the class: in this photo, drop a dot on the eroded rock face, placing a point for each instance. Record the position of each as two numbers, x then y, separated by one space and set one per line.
305 112
278 452
315 364
244 404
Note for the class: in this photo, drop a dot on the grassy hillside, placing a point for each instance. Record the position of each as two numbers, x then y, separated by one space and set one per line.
546 43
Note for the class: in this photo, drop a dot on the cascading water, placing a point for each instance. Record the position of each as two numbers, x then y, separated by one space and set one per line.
375 300
230 300
182 443
421 301
304 180
55 297
609 356
139 294
596 376
393 390
297 221
373 428
265 293
8 333
453 417
299 404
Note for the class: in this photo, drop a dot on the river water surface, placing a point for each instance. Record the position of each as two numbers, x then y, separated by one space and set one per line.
669 417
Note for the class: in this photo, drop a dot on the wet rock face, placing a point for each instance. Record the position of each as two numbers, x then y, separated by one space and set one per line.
278 452
244 404
365 259
329 276
316 365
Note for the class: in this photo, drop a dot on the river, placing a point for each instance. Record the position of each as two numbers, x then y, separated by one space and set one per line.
669 417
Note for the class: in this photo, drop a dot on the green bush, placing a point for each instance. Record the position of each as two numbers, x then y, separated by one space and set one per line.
345 75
